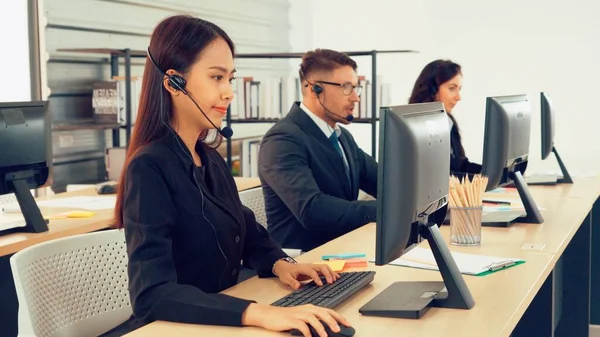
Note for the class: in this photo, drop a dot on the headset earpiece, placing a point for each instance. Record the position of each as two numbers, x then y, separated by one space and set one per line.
317 88
433 86
433 90
177 82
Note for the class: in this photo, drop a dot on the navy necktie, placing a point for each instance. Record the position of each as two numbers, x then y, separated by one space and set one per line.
336 144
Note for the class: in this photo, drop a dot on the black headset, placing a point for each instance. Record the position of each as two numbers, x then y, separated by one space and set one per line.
433 86
317 88
178 83
175 81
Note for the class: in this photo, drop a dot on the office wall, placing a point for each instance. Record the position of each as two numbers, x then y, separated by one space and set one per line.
78 154
504 48
528 47
15 15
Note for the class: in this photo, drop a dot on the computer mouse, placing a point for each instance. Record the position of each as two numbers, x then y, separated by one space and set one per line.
106 189
344 331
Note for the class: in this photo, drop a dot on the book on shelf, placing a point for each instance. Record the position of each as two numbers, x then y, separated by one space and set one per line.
265 98
244 155
271 98
108 100
249 157
366 98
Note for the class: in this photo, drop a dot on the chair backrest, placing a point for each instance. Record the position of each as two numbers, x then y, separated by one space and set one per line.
74 286
253 199
7 198
11 197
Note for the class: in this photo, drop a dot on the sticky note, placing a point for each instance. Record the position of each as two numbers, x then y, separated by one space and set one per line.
356 263
335 265
72 214
79 214
343 256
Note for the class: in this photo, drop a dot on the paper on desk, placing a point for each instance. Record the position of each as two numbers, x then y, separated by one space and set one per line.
515 205
468 264
335 265
11 223
92 203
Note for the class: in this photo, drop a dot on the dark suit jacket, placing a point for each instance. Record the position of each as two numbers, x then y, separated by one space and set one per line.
460 165
308 199
186 233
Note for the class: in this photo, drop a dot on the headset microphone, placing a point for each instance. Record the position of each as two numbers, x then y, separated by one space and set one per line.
318 89
178 83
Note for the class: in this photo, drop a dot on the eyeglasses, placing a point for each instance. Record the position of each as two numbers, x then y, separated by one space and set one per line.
347 87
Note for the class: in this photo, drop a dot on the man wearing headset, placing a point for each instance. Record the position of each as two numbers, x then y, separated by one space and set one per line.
311 169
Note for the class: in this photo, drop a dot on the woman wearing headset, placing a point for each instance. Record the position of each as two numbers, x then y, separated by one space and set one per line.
441 81
185 227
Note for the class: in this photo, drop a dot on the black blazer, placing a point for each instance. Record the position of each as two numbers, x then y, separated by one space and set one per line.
308 199
173 218
460 165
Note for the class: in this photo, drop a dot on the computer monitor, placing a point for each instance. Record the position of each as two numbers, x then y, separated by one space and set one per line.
24 157
412 197
548 133
506 148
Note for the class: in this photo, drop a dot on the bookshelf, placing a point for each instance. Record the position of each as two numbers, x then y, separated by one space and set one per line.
115 55
127 54
373 54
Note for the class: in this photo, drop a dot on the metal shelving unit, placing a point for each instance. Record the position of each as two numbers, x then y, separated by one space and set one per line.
115 54
373 120
127 54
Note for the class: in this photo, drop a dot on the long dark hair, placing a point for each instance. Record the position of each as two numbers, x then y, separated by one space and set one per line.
428 84
175 44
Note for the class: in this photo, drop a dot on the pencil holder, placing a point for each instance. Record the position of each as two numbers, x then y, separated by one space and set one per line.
465 226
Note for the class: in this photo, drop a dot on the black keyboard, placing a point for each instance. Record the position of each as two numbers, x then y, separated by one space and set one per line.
328 295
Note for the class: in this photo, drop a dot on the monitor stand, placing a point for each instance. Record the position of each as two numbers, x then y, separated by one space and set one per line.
552 180
566 179
34 221
541 179
414 299
533 213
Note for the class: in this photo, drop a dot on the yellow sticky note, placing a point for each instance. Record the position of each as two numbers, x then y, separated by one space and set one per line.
72 214
335 265
79 214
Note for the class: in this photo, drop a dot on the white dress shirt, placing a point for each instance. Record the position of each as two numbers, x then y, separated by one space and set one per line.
327 130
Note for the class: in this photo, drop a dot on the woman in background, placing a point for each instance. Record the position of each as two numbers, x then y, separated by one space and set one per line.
185 227
441 81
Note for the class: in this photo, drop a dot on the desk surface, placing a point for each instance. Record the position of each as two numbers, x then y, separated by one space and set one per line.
563 207
59 228
501 298
495 313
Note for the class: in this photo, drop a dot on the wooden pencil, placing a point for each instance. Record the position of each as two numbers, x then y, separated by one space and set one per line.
464 196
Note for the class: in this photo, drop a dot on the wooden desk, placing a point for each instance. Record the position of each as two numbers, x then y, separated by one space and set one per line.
564 207
59 228
495 312
503 299
244 183
582 188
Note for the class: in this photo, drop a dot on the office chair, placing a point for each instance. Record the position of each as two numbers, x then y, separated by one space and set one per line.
253 199
73 286
11 197
7 198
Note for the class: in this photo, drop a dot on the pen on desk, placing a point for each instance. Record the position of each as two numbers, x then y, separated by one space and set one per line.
11 210
497 202
501 265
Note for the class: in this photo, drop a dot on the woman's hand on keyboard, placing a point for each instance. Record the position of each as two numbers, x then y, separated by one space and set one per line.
291 274
288 318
